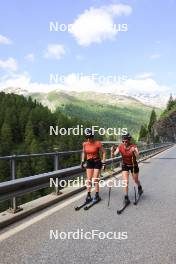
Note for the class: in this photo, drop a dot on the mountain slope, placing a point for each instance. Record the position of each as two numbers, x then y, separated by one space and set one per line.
106 110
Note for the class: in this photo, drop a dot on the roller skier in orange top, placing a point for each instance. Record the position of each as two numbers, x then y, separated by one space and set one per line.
129 153
91 155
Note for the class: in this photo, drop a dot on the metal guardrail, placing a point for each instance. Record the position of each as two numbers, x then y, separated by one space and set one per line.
19 187
13 158
56 155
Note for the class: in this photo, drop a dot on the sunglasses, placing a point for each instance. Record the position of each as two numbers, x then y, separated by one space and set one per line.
125 141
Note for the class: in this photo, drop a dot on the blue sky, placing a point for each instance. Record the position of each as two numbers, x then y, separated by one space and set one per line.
146 52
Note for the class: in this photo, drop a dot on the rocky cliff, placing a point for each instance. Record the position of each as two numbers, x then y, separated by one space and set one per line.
165 128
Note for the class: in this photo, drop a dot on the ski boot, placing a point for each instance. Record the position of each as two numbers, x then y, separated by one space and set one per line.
126 200
88 198
140 191
96 198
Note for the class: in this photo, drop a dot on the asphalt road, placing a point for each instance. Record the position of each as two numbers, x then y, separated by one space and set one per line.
150 226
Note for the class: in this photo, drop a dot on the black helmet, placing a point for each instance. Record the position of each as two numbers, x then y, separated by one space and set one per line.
89 133
126 137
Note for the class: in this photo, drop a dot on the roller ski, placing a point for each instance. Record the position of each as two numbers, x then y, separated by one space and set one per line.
87 201
96 200
126 203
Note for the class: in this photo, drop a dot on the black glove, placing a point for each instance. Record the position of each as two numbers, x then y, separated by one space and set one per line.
82 164
103 166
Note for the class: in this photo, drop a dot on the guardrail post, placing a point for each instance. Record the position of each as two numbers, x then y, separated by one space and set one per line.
56 161
56 167
13 204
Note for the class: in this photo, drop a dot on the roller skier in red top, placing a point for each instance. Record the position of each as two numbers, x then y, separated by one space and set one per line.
129 153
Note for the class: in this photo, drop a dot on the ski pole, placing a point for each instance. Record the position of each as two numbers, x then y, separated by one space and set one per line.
112 168
135 199
109 196
133 177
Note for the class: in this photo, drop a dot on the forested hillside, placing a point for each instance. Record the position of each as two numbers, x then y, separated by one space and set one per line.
24 128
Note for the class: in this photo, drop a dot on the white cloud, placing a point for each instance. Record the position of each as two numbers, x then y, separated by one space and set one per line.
30 57
146 85
54 51
5 40
128 86
147 89
9 65
15 80
144 75
119 9
24 82
97 24
155 56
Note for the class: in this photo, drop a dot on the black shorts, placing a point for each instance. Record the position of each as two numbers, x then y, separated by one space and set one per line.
128 168
94 164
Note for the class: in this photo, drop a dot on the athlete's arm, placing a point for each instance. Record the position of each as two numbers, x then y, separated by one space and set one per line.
136 152
114 153
83 156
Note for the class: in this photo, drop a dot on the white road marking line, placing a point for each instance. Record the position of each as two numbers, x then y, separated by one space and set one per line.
38 218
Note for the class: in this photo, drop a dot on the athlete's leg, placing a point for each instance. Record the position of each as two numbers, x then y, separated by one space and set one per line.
125 176
136 178
90 173
96 178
